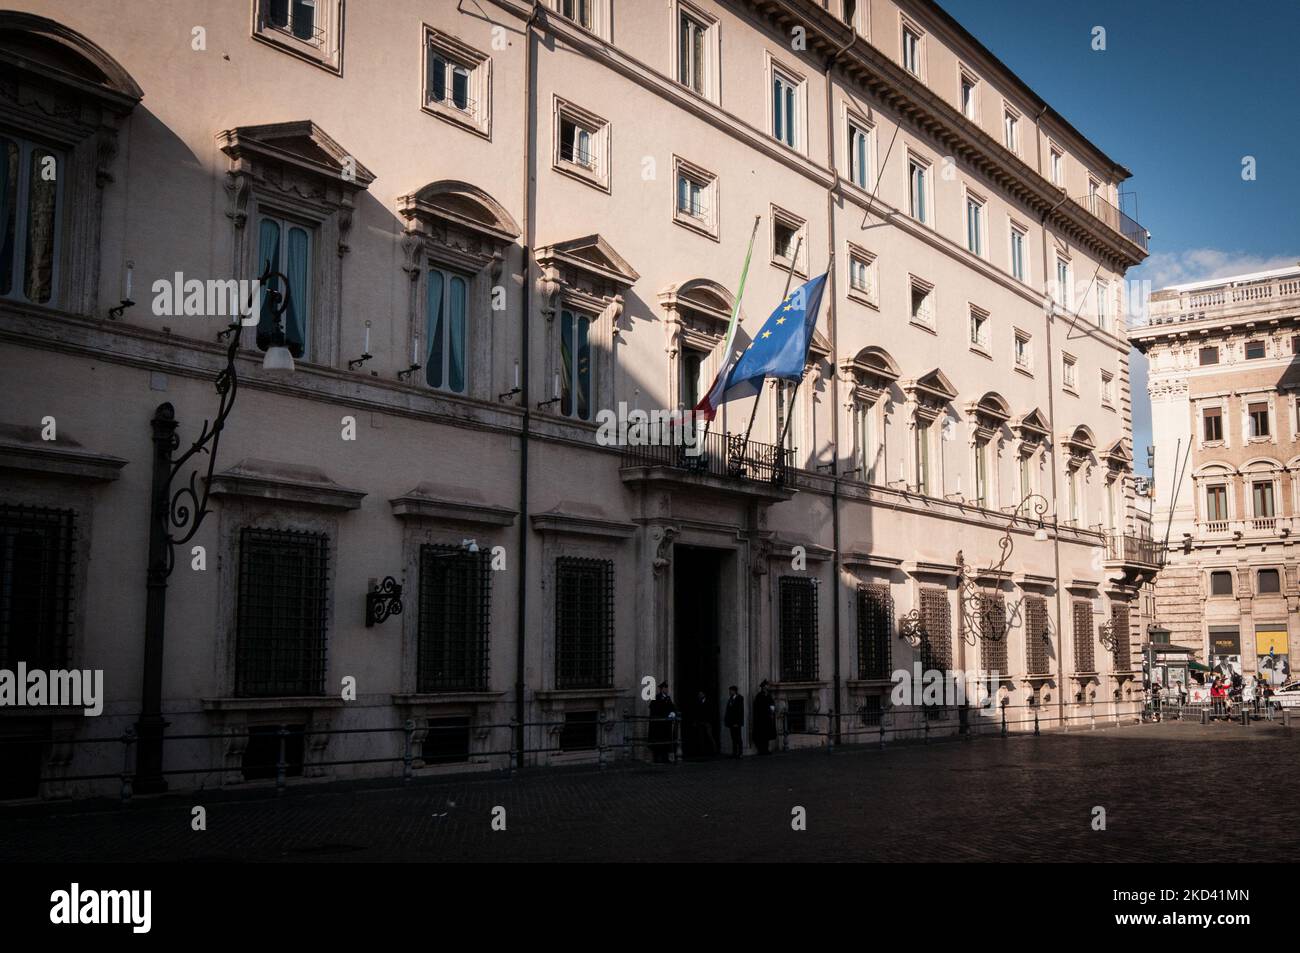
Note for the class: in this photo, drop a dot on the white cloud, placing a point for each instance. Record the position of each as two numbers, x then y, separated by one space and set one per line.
1163 269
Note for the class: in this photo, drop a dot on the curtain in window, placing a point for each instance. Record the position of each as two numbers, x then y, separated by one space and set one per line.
278 12
38 273
861 141
460 87
298 271
304 19
268 258
9 164
437 77
566 363
584 369
434 308
456 328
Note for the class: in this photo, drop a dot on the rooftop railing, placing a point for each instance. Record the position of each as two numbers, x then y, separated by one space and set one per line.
1114 218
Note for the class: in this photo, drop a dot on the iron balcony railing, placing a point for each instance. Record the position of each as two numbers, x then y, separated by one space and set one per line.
1137 550
723 455
1115 219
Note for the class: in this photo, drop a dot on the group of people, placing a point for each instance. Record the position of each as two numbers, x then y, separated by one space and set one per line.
698 722
1226 690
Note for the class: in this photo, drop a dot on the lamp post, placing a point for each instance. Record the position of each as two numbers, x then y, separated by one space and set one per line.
176 514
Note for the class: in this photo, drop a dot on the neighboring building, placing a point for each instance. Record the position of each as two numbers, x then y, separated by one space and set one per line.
1224 381
554 199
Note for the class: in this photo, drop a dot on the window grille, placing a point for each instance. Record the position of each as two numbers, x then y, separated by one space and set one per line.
580 731
936 630
36 575
798 598
280 628
875 626
262 754
993 633
446 741
1120 630
1036 635
1083 637
871 711
455 614
584 623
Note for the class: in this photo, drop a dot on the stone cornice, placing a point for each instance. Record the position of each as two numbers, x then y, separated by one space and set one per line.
54 461
285 483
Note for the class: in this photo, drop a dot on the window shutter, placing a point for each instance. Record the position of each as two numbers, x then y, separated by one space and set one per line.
268 258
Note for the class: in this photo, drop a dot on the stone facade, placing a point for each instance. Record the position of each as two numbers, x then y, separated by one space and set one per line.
549 218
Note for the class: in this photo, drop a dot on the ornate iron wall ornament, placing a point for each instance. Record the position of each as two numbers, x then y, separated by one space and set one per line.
977 616
188 505
1106 634
383 600
911 627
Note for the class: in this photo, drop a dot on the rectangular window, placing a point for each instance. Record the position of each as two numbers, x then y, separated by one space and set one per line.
584 623
912 51
1103 305
1254 350
296 16
1269 581
446 330
922 451
1025 474
690 196
457 82
1083 637
1119 619
1261 495
581 144
862 275
870 447
31 217
1064 292
1018 260
1216 503
1212 424
1209 355
918 174
975 225
1024 351
979 329
455 609
1107 389
692 372
1037 636
579 11
575 364
860 156
281 615
875 628
311 29
576 143
982 495
991 617
936 630
448 81
1221 583
446 741
787 424
580 731
285 247
798 611
1258 416
785 108
922 303
1069 376
1058 168
696 199
1011 131
969 103
691 47
37 547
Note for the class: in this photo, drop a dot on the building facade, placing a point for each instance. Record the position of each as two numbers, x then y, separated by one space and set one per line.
494 222
1223 385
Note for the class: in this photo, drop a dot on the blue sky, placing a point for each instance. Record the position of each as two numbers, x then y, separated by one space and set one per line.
1183 92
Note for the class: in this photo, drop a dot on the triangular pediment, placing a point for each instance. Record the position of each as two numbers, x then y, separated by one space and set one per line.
301 143
593 254
936 383
819 348
1032 423
1117 454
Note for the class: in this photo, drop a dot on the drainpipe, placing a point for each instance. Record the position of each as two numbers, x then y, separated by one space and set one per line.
521 559
833 323
1056 517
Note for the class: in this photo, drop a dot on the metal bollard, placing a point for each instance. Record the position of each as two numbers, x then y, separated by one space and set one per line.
1245 715
1004 721
128 739
882 732
408 756
600 740
830 731
1035 721
281 765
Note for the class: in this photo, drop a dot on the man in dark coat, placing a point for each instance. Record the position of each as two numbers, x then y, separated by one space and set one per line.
734 719
702 743
662 711
763 725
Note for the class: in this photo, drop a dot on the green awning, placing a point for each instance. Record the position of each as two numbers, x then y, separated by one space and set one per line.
1198 667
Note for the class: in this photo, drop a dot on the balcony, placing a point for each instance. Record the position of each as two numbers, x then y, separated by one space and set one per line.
1116 220
721 463
1240 298
1138 557
1255 526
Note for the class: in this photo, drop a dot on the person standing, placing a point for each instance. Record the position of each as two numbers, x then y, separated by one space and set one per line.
702 727
662 713
763 727
734 719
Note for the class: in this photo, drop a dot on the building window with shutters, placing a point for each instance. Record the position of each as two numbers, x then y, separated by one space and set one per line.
936 626
875 627
581 144
457 82
282 612
1119 620
1083 637
31 213
309 29
584 623
284 246
992 620
1037 636
455 608
798 614
37 554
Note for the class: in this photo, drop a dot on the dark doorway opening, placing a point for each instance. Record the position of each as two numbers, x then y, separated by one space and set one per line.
696 576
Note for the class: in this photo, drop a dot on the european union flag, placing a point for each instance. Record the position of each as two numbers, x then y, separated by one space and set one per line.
780 348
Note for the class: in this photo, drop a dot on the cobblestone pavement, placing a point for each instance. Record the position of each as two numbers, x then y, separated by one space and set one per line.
1164 788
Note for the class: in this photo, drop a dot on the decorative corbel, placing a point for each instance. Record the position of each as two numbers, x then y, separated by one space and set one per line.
345 224
105 153
412 240
497 267
615 312
238 188
662 558
673 332
548 286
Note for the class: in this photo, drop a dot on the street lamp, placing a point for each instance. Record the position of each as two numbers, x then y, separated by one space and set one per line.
176 515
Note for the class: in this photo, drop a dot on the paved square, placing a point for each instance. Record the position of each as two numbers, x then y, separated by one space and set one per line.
1171 792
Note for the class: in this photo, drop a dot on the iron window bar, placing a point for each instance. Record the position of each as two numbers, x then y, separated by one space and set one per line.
584 622
37 562
798 629
454 618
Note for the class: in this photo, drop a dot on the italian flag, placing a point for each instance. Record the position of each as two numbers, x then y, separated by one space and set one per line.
708 406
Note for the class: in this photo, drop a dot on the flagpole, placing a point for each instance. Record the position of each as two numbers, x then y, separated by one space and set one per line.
735 314
789 275
793 394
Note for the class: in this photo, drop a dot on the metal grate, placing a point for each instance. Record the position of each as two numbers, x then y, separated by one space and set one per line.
993 633
446 741
36 569
455 611
580 731
584 623
1083 637
875 626
936 633
1120 631
1036 635
261 757
798 629
871 711
280 632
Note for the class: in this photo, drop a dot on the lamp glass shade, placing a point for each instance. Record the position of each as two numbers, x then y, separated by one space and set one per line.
1040 534
278 358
